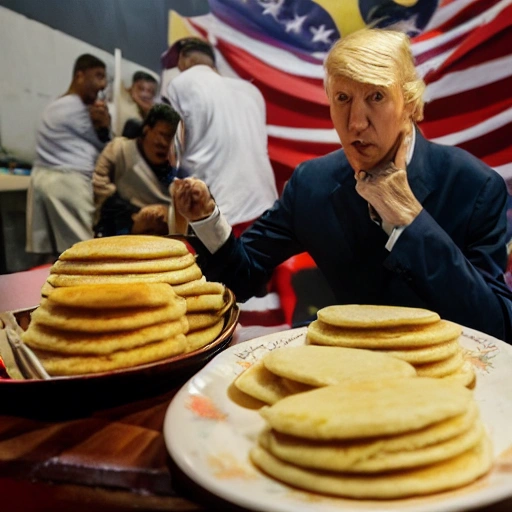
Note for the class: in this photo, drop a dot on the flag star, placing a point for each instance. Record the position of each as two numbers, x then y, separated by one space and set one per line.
272 7
320 34
295 25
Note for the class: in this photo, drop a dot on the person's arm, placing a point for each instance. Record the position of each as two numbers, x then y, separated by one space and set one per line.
100 118
243 264
151 220
76 119
465 286
102 178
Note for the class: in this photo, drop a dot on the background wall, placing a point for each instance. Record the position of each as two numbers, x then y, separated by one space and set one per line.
40 41
138 27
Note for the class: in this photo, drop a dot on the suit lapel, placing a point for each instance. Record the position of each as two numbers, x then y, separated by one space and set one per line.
361 234
363 237
421 181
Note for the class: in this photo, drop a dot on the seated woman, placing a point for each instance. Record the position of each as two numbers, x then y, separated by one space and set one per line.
132 177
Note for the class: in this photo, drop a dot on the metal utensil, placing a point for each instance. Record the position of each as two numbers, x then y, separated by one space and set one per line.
9 320
27 362
7 355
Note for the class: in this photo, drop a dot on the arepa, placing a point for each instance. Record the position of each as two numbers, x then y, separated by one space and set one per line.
58 364
369 316
88 320
359 409
127 266
121 247
78 343
449 474
113 295
322 366
392 337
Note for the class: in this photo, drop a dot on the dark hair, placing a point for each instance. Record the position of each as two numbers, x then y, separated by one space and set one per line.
161 112
186 45
198 46
142 75
87 61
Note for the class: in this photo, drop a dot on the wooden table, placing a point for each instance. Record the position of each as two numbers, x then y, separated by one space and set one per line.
113 460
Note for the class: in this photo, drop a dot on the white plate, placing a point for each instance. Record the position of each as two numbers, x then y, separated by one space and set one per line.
209 436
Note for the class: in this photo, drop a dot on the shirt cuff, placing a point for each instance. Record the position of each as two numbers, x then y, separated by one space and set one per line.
212 231
395 235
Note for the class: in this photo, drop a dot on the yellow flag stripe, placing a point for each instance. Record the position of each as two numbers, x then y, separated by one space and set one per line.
178 28
345 14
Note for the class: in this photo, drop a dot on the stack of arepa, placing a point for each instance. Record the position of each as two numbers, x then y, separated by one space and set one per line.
124 259
86 329
382 438
131 259
415 335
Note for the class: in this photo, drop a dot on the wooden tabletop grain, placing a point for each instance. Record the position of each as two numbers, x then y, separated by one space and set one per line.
113 460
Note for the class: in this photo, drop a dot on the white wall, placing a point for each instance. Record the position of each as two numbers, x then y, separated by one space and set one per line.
36 63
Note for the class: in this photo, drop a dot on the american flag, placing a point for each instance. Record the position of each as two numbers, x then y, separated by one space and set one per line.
462 49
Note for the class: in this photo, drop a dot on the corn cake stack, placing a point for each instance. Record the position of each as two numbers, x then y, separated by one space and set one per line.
415 335
207 302
376 439
86 329
146 259
289 370
124 259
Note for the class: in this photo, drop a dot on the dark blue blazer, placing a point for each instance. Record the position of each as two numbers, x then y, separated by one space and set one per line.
451 259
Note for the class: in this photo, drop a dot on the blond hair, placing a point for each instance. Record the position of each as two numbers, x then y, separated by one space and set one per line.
378 57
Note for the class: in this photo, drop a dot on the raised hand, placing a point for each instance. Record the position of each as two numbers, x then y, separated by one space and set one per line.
192 199
151 220
100 116
387 189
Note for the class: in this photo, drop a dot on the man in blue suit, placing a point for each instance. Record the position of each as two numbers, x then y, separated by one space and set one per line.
389 219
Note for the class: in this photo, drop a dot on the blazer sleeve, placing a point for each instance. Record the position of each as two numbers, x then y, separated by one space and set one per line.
465 285
102 183
246 264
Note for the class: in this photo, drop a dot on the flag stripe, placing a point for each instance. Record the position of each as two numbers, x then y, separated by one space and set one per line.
492 123
474 99
447 10
275 57
500 158
457 123
492 38
471 78
249 67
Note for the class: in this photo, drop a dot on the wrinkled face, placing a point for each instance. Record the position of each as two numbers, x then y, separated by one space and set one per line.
143 90
90 83
156 142
369 120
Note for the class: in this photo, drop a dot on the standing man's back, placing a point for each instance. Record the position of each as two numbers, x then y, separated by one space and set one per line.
225 135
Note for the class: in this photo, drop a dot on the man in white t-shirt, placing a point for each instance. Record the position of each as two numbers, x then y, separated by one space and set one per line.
73 130
225 138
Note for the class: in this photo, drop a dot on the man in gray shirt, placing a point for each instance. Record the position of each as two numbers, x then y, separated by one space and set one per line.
73 130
